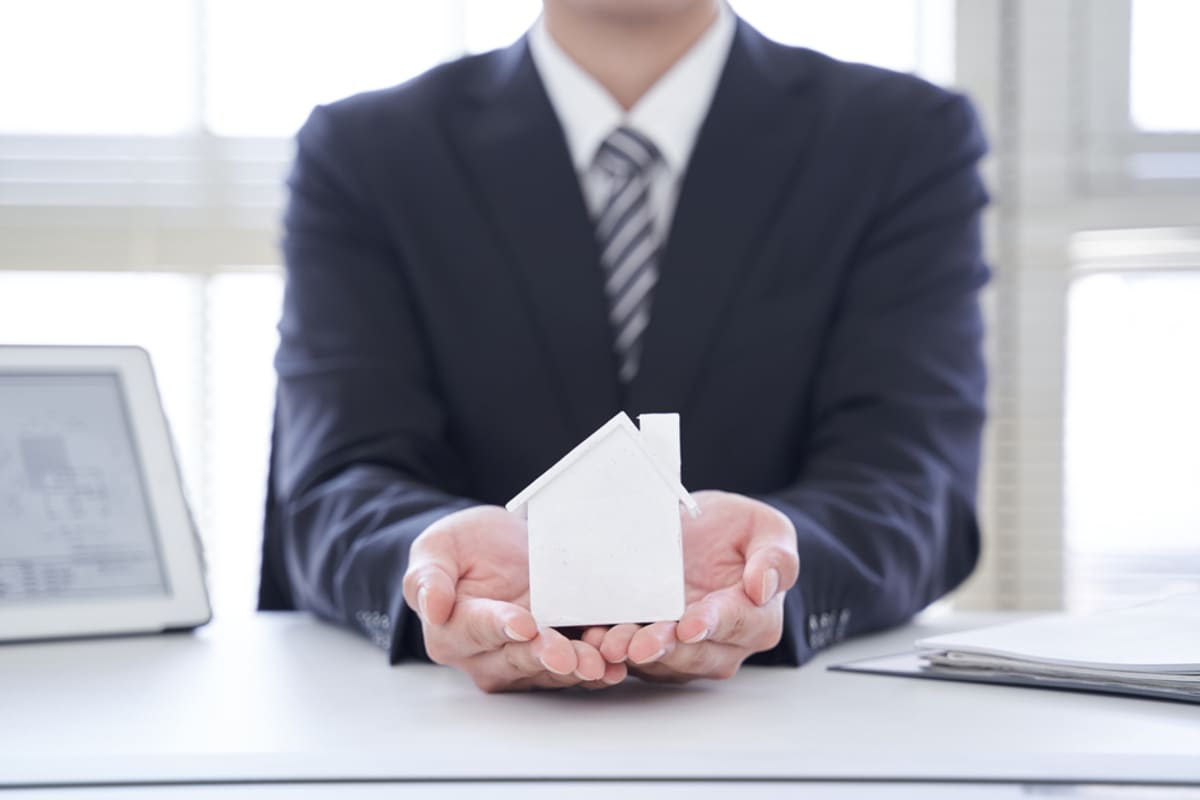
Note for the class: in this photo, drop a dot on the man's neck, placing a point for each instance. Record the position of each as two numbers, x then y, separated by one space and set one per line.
627 51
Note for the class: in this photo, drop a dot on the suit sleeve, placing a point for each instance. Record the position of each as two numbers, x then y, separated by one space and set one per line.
884 506
362 462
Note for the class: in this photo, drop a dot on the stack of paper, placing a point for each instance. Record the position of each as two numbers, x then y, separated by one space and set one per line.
1155 646
1148 650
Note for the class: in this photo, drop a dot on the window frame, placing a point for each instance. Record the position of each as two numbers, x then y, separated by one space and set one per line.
1034 97
191 202
1112 147
1058 117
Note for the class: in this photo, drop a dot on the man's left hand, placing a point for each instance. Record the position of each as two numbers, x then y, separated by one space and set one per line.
739 559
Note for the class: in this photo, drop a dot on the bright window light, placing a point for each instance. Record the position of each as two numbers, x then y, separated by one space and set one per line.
211 340
1132 437
489 24
270 61
243 310
1164 63
160 312
86 67
152 73
904 35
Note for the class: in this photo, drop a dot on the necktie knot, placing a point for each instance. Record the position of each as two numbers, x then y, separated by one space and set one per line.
626 153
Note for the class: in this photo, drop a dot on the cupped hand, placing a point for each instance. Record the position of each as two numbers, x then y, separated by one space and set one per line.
468 580
739 560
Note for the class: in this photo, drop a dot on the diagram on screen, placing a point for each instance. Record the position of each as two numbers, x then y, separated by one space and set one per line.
75 520
68 493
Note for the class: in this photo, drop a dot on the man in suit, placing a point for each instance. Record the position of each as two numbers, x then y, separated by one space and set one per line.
641 205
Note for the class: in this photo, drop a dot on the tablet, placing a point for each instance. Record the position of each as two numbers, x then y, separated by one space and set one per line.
95 534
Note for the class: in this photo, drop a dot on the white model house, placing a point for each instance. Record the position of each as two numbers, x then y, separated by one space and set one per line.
604 527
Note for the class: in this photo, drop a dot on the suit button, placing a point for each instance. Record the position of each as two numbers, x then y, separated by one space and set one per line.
843 623
815 639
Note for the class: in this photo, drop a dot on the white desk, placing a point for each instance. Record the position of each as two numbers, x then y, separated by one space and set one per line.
283 698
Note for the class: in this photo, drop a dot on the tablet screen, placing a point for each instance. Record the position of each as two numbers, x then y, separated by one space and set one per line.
74 516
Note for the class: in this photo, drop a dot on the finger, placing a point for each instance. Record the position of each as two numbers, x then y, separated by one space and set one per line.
733 619
506 669
690 662
652 642
772 564
529 660
523 665
478 625
429 590
589 666
429 582
613 675
514 667
615 646
548 680
657 673
490 624
555 652
698 622
594 636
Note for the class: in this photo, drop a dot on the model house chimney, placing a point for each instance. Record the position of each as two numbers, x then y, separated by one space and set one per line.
660 432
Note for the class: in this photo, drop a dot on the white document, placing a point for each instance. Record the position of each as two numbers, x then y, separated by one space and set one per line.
1158 641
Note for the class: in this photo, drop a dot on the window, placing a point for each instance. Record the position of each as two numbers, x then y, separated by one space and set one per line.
261 77
1139 122
142 154
1163 59
1077 502
904 35
1132 459
75 67
211 339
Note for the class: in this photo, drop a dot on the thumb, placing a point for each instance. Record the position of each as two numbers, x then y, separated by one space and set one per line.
772 565
429 583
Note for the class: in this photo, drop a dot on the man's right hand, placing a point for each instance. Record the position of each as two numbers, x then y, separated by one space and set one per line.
468 579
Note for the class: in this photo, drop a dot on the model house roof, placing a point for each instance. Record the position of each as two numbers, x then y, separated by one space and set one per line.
620 425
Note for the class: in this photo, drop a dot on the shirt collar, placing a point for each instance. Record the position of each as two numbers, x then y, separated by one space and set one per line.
669 114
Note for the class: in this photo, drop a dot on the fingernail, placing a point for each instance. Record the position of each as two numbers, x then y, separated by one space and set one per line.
423 603
546 665
699 637
513 635
662 651
770 585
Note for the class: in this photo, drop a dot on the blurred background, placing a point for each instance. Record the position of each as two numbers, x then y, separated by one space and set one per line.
143 145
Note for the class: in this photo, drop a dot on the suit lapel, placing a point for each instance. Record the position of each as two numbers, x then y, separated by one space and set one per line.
512 145
743 164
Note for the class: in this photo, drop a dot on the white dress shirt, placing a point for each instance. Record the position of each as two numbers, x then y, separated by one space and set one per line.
669 114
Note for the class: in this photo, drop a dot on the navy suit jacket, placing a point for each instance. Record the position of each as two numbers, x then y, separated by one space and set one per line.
444 335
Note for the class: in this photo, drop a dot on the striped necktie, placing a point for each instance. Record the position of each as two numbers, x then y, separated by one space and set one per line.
628 245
